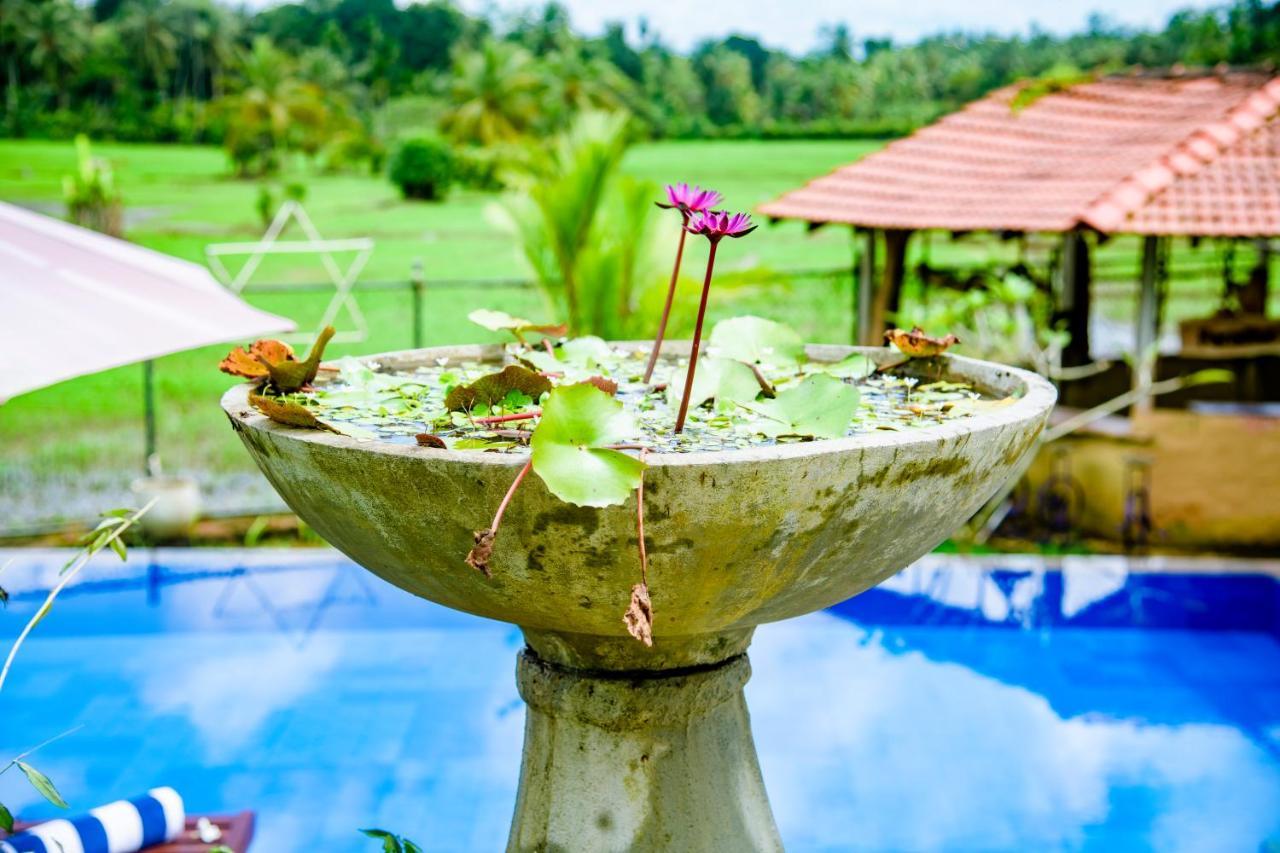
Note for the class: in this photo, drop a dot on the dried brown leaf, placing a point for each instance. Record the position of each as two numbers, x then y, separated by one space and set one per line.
249 364
289 413
608 386
639 615
478 557
427 439
492 388
916 344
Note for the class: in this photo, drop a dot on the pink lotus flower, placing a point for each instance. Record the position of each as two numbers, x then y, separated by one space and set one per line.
689 199
716 225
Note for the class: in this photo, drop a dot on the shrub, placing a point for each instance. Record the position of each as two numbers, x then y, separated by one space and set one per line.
424 168
91 195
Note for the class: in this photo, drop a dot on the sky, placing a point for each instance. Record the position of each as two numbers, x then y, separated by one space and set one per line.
793 24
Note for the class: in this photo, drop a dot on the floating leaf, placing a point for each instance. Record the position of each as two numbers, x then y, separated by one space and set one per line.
820 406
722 379
240 362
482 552
501 321
41 783
586 352
639 615
570 447
916 344
289 413
492 388
856 366
608 386
427 439
755 340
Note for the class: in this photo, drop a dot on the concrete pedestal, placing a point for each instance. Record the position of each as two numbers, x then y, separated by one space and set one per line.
653 761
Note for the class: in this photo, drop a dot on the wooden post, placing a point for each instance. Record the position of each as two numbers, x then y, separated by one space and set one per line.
1147 328
866 287
417 285
889 292
1073 297
150 462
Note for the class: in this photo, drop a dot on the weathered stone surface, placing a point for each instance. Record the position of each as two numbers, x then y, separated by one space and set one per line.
735 538
629 747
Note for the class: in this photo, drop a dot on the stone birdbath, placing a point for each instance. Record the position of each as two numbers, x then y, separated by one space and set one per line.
629 747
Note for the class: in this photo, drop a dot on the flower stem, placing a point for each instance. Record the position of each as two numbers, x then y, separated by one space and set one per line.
506 499
697 340
502 419
666 309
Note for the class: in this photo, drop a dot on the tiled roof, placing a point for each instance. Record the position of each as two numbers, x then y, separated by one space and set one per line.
1130 154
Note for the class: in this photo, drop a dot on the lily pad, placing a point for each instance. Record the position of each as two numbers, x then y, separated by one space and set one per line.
855 366
755 340
725 380
821 406
501 321
587 352
492 388
571 447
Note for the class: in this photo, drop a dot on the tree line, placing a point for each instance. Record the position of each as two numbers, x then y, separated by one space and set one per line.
336 79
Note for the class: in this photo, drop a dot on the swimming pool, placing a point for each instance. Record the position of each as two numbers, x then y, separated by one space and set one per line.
992 704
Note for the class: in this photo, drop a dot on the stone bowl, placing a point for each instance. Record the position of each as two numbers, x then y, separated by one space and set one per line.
735 538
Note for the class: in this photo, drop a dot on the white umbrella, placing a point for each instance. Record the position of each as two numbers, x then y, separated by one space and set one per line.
73 302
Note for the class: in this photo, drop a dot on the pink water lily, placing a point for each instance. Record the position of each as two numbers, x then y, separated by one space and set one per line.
689 199
715 225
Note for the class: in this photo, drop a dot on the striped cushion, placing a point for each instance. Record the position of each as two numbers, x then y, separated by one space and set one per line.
126 826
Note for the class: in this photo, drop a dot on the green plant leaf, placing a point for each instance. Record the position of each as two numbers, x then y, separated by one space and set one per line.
6 818
820 406
41 783
501 321
856 366
727 381
492 388
570 447
587 352
757 341
289 413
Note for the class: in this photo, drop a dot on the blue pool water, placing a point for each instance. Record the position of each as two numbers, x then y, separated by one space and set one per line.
960 706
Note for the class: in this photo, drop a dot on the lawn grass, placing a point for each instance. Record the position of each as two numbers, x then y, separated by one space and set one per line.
69 449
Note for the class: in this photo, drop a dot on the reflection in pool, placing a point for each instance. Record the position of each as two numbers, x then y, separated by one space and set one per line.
960 706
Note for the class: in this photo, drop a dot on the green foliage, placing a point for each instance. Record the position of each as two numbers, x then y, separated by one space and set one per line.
571 447
424 168
42 784
725 380
392 843
820 406
90 193
754 340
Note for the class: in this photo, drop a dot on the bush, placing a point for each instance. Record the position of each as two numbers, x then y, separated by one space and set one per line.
424 168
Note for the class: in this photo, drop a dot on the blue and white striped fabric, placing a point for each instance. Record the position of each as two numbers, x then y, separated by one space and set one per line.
126 826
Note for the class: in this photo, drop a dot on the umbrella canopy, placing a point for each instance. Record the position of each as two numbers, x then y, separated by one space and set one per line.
73 302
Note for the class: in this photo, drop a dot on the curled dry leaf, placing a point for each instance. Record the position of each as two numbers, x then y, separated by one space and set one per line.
289 376
492 388
289 413
479 555
916 344
608 386
427 439
249 363
639 615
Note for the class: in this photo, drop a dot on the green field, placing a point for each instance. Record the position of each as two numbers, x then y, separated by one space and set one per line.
67 450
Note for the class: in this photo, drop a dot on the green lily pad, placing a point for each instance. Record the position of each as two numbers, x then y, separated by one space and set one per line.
821 406
757 341
491 389
501 321
852 367
570 447
725 380
587 352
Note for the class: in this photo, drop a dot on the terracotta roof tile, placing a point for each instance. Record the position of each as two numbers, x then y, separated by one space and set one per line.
1113 154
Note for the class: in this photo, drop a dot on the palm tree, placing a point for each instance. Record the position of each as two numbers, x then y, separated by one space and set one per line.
14 30
495 92
147 30
56 33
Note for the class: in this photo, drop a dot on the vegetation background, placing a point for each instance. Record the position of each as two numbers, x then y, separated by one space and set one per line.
209 115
